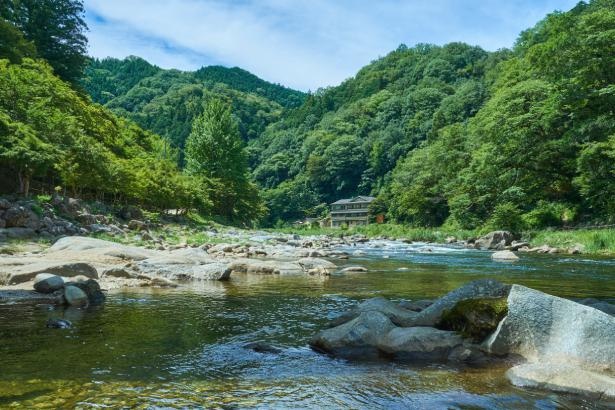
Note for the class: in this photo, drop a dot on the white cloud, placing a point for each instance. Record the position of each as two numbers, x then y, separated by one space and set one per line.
303 44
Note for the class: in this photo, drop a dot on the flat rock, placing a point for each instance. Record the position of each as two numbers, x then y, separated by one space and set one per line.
310 263
92 246
19 273
563 378
184 271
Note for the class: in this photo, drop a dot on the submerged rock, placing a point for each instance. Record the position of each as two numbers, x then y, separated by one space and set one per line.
262 347
59 324
354 269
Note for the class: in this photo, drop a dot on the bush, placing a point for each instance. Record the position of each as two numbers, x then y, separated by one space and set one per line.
506 216
549 214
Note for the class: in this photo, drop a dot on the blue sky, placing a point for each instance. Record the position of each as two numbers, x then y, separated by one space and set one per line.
304 44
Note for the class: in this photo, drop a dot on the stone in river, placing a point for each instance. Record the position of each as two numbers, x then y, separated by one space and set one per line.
48 282
75 296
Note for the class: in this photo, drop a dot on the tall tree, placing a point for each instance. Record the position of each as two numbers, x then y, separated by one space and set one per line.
56 27
214 150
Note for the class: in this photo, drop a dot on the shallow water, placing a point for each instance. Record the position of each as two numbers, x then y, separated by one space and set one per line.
185 348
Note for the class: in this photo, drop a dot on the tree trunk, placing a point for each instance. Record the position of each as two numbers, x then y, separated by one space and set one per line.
24 183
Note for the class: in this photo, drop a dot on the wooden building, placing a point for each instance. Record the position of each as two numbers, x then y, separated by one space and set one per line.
353 211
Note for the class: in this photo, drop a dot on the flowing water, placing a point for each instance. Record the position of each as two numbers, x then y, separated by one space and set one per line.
185 348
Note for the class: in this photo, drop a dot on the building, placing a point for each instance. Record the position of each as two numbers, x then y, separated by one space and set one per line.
353 211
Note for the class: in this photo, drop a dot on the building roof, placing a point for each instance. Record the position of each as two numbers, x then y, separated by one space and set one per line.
355 200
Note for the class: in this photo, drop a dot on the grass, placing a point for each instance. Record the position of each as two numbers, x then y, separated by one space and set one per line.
593 241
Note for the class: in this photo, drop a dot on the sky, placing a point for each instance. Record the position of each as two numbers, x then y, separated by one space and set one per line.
302 44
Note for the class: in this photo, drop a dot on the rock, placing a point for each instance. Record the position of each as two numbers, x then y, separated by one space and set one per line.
98 247
474 318
450 239
136 225
494 240
262 347
544 328
21 217
260 267
4 204
563 378
311 263
17 233
91 288
319 271
19 273
504 256
482 288
59 324
515 246
171 269
419 343
47 282
398 315
350 269
605 307
415 305
162 283
358 253
75 296
146 236
119 272
576 249
357 338
130 212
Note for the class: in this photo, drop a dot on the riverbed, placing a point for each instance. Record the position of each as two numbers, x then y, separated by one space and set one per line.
185 347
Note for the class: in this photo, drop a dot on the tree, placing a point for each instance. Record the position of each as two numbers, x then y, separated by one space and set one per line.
215 151
13 45
56 28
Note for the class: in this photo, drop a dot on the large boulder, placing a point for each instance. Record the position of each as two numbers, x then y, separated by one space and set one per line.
482 288
494 240
85 246
21 217
311 263
419 343
474 318
555 332
48 282
357 338
266 267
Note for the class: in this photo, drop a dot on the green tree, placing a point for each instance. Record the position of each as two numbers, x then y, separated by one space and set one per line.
56 28
215 151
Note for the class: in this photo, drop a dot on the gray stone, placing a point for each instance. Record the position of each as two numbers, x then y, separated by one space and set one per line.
17 233
546 328
507 256
416 305
357 338
395 313
90 287
21 217
47 282
75 296
419 343
170 269
494 240
482 288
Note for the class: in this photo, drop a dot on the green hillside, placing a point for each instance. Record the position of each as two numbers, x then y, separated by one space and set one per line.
167 101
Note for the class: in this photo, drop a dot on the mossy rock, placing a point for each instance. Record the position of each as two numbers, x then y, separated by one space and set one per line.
474 318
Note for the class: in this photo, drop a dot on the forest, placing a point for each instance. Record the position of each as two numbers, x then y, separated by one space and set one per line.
451 135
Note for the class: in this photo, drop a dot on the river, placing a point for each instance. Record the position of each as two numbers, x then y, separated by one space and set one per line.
184 348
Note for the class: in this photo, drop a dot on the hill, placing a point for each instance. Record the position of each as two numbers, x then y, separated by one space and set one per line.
167 101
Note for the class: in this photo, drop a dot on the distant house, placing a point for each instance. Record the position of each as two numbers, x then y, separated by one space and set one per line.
353 211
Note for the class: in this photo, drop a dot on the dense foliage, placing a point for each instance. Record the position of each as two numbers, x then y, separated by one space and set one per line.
455 135
55 28
168 101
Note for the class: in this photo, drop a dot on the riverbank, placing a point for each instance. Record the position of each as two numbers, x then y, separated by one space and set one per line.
586 241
